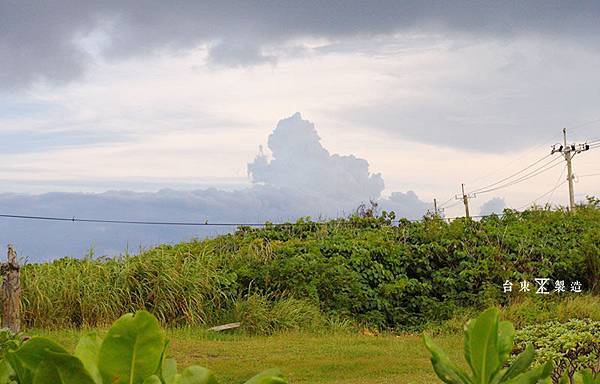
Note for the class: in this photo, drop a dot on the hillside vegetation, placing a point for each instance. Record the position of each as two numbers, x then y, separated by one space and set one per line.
372 270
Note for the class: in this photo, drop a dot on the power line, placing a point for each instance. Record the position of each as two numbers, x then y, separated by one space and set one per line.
510 162
578 127
176 223
556 185
550 192
453 205
513 175
443 205
530 150
544 168
165 223
136 222
542 196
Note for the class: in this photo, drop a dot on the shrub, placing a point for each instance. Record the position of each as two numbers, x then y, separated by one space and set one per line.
133 352
571 346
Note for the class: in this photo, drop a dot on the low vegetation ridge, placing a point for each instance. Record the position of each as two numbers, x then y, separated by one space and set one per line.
373 270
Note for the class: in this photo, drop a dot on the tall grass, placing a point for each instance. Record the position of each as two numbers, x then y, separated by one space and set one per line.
183 285
177 285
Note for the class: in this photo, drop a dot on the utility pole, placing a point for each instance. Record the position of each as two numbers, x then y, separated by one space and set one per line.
568 158
437 211
569 151
465 198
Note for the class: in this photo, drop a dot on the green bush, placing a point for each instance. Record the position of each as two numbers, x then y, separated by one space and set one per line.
133 352
401 275
572 346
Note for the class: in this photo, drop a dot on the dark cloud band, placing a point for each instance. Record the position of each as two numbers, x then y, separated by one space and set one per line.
38 40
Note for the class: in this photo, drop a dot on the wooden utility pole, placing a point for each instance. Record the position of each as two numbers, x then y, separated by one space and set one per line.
435 211
11 292
568 151
568 156
465 199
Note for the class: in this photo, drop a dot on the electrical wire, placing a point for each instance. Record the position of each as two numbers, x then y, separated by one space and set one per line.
516 159
513 175
453 205
443 205
578 129
545 167
137 222
542 196
165 223
592 144
556 184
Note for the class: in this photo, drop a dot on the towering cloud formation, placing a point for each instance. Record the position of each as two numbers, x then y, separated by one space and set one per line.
301 179
301 163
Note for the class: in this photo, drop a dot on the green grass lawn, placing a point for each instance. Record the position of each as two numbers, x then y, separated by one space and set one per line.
304 358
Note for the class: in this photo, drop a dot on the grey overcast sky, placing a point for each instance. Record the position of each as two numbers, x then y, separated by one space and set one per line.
399 100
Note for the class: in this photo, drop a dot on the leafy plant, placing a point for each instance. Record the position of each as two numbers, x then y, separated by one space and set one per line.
9 341
488 343
133 352
572 346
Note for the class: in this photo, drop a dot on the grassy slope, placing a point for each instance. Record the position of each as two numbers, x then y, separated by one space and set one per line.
403 276
304 358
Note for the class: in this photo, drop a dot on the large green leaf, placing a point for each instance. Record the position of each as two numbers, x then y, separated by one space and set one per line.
132 349
24 375
169 371
46 374
6 372
467 343
270 376
152 380
447 371
483 346
61 368
506 338
196 375
168 367
35 350
88 350
522 363
533 376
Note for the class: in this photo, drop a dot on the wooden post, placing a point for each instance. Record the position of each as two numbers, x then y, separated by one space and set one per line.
11 292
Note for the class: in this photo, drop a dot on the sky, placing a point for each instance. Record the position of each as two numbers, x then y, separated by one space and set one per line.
273 110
